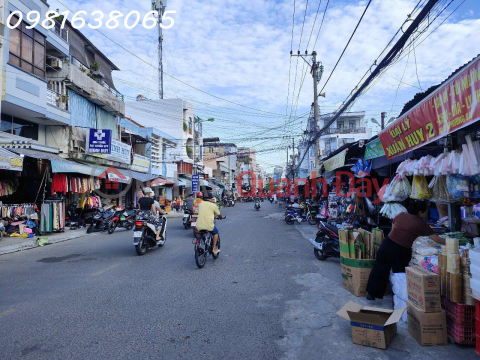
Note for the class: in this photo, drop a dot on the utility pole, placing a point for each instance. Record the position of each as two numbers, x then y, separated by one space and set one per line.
293 159
315 97
159 5
383 115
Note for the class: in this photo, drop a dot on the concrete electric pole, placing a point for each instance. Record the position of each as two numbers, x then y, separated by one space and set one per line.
160 5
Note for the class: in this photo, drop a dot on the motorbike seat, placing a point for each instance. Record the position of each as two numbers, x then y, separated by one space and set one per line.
332 228
130 212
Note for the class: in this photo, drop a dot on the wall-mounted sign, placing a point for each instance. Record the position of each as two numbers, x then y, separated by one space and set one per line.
335 162
99 141
168 170
119 152
453 106
140 163
195 182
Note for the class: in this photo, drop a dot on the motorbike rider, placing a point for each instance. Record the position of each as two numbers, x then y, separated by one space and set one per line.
147 208
189 202
197 202
206 216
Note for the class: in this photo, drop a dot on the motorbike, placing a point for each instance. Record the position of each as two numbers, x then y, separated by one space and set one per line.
326 243
187 218
292 215
257 205
230 202
77 218
100 220
145 234
121 219
203 241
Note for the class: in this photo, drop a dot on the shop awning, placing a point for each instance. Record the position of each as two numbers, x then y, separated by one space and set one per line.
162 182
141 176
219 183
10 161
37 154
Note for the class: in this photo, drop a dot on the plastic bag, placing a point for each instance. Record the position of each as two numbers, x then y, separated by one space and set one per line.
390 210
458 186
398 190
438 189
420 190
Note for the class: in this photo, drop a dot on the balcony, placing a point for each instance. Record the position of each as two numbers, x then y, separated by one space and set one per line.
63 33
78 78
358 130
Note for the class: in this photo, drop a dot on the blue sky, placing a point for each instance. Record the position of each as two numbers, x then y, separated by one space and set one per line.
239 51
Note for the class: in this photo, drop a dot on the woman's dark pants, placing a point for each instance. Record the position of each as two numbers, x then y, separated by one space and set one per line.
391 256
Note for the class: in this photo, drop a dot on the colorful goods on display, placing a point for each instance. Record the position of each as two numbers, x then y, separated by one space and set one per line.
8 187
72 184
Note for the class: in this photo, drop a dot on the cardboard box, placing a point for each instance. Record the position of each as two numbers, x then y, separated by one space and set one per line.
443 281
353 237
377 237
427 328
374 327
455 287
423 289
355 274
343 242
452 245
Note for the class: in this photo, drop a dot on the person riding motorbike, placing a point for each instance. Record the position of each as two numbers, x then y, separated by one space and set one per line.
206 216
147 208
189 201
197 202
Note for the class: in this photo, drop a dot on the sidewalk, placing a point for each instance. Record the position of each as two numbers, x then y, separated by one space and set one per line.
13 244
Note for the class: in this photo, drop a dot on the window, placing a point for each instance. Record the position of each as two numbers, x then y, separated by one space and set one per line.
190 125
27 48
19 127
340 124
164 151
352 124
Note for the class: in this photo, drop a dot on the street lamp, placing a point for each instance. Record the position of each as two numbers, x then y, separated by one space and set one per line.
197 120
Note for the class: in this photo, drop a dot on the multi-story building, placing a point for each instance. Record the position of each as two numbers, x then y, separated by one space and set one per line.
277 172
176 118
346 129
222 158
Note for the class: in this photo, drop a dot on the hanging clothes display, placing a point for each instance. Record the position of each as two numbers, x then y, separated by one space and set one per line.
73 184
8 187
52 217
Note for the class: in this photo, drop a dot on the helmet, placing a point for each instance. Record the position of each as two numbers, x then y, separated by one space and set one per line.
209 196
147 190
199 194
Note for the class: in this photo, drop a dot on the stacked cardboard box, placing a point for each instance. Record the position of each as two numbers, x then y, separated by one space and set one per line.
358 249
427 321
454 275
467 295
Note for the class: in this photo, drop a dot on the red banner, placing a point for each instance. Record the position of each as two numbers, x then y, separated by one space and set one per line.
454 105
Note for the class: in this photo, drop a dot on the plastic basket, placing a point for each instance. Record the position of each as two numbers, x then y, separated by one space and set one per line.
462 334
460 313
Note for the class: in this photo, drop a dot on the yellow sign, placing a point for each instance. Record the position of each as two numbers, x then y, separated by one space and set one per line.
16 162
335 162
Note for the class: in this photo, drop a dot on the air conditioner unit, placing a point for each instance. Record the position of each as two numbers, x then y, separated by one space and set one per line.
55 63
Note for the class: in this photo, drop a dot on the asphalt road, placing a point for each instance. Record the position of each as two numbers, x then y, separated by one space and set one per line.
266 297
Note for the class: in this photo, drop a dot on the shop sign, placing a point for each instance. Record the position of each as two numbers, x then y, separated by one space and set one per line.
168 170
373 150
140 163
453 106
99 141
118 152
335 162
11 163
195 182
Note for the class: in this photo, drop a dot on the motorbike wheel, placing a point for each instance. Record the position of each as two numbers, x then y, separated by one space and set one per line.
289 220
141 248
218 247
312 221
319 255
186 226
90 228
129 226
200 253
111 227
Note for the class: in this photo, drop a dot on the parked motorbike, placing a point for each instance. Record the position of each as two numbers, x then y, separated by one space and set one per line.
122 219
292 215
101 219
257 205
145 234
77 218
326 242
187 218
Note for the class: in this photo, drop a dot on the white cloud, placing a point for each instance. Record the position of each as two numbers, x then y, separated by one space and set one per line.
240 51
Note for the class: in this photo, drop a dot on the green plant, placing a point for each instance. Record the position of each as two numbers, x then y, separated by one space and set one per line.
185 126
95 66
82 69
64 98
189 151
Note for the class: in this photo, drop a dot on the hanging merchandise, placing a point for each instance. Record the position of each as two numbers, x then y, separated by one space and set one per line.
439 190
398 190
458 186
52 218
8 187
362 168
390 210
420 190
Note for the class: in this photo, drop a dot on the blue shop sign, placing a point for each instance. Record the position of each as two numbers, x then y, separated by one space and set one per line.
99 141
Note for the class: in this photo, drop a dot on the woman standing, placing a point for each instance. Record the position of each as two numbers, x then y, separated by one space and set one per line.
395 252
